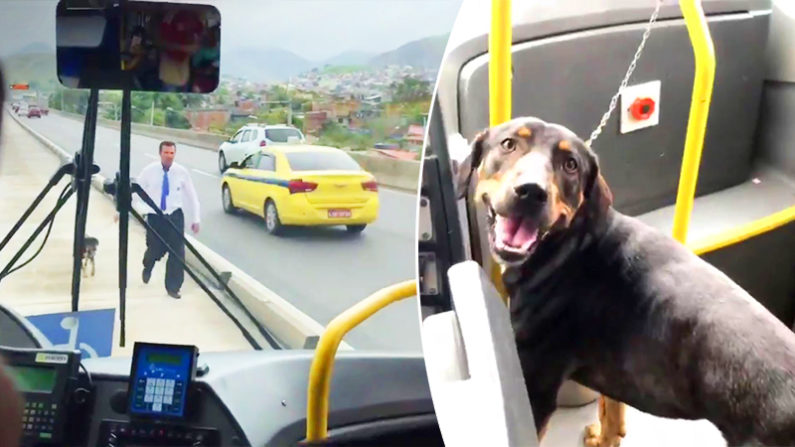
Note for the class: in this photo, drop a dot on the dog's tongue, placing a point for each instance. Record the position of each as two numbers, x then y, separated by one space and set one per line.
515 232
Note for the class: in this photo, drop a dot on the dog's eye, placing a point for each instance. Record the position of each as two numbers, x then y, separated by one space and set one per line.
508 145
570 165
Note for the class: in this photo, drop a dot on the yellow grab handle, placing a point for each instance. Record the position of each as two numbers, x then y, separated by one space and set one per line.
500 39
323 362
704 53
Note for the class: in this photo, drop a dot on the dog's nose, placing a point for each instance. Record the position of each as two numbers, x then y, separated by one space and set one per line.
531 192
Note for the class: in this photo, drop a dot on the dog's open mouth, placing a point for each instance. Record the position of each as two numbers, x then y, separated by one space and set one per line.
515 233
513 238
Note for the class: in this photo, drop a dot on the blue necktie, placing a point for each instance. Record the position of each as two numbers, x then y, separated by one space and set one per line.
164 191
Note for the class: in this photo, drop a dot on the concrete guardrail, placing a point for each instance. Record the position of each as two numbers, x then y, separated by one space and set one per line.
389 172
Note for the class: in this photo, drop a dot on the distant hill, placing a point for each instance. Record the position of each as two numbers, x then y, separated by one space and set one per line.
278 65
423 53
263 65
35 47
349 58
37 69
343 69
36 62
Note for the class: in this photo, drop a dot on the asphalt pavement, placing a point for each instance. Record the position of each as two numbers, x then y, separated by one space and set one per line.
322 271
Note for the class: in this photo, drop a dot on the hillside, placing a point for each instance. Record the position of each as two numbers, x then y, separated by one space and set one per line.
37 69
263 65
423 53
255 64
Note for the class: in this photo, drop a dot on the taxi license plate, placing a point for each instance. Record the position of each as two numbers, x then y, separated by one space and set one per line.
339 213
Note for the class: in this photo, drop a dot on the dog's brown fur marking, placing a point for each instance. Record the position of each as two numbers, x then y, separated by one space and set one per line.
564 145
542 431
489 186
610 429
559 207
524 132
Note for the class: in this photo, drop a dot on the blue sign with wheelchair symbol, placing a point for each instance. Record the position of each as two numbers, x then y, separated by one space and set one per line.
90 331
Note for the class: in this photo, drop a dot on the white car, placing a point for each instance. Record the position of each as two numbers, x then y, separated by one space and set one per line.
253 137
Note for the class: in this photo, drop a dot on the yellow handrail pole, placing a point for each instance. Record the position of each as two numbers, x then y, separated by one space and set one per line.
704 53
741 233
323 362
500 40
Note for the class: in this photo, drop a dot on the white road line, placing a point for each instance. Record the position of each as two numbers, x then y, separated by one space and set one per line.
204 173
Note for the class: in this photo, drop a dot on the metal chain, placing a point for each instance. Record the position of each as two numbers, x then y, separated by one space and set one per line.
638 52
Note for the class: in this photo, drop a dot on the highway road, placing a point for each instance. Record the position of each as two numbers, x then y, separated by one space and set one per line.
322 271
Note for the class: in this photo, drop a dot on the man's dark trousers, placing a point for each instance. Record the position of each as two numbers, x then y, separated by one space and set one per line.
175 273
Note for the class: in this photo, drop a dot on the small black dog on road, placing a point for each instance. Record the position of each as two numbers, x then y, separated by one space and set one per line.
89 250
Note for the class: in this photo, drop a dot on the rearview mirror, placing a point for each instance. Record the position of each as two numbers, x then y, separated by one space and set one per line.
146 46
234 165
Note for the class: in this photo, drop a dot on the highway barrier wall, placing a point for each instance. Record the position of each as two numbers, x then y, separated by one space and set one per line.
389 172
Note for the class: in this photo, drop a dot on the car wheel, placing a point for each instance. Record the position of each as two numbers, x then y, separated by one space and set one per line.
222 165
272 222
355 228
226 198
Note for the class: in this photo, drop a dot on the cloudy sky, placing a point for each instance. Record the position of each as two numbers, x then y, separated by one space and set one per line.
314 29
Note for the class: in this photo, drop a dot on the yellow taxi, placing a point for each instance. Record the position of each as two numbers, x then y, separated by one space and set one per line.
304 185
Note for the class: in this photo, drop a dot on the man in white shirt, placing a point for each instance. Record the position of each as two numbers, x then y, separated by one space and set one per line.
170 186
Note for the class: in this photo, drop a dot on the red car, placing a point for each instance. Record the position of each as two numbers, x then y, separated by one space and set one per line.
34 112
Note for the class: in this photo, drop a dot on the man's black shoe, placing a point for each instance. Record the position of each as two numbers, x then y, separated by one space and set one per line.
174 294
146 275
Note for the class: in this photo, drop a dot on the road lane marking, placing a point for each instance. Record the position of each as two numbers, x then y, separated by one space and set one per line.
198 171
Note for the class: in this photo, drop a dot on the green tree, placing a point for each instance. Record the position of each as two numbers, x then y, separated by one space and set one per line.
176 120
222 95
410 89
166 100
382 127
298 122
278 93
159 117
54 101
141 106
336 135
193 100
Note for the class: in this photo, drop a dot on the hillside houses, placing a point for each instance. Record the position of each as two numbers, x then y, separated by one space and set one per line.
349 98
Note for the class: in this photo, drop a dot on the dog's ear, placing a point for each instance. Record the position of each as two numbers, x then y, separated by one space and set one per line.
471 162
598 196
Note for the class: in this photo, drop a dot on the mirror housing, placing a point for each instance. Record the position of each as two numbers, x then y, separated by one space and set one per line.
140 45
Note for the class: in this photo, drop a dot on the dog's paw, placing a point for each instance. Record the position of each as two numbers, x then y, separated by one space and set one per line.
595 438
592 433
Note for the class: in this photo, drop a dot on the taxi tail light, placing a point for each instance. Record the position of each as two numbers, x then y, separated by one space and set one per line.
296 186
370 185
263 143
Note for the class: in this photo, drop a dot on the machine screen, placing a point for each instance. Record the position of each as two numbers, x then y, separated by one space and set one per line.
33 379
160 380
